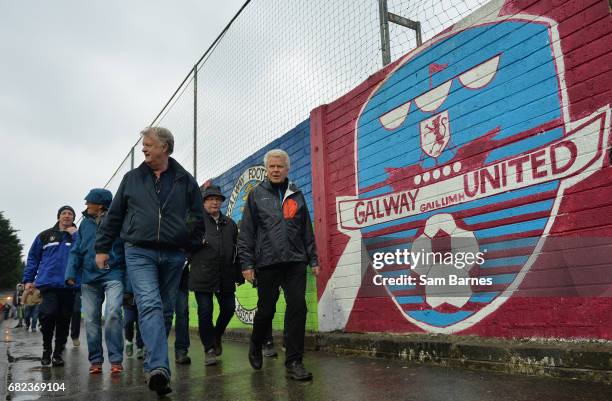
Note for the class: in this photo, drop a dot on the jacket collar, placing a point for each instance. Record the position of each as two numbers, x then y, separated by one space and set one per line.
291 188
222 218
87 215
95 219
179 171
56 228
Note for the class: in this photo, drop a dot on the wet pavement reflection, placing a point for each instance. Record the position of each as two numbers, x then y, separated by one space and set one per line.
335 378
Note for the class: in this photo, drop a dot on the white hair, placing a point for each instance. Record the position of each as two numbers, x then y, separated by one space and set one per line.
277 153
163 135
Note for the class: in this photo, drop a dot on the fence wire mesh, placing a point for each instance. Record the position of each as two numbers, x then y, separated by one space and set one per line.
275 63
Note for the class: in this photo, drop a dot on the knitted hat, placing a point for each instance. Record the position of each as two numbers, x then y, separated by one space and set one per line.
61 209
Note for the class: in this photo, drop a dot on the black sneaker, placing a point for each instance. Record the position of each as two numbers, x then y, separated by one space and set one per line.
269 350
210 358
297 371
255 357
57 360
158 382
46 358
182 359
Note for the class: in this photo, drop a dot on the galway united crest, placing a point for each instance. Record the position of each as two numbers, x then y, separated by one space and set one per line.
468 141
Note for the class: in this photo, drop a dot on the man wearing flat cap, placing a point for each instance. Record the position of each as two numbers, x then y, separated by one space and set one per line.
215 269
45 269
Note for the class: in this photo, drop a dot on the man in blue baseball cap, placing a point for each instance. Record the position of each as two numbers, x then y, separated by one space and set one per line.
99 284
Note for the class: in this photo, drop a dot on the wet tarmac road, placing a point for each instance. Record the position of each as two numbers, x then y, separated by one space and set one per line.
335 378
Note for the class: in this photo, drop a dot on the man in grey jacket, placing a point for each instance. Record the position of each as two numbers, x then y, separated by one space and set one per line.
158 211
275 244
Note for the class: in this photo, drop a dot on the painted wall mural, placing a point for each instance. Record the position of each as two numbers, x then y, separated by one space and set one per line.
491 139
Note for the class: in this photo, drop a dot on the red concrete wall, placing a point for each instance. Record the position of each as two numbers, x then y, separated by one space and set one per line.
536 112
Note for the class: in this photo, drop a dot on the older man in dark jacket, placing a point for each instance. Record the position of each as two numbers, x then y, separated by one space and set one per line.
276 240
215 270
158 211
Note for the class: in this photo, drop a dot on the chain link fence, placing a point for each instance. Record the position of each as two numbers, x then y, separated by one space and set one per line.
276 61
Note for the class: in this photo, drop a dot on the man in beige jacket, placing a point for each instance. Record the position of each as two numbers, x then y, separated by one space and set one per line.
31 300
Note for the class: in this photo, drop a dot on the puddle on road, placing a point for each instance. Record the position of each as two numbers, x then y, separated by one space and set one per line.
25 397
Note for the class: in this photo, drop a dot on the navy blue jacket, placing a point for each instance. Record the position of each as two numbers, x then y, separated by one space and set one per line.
138 215
82 261
48 258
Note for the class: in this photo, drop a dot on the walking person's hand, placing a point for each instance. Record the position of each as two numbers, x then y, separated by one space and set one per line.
71 230
249 275
316 270
101 260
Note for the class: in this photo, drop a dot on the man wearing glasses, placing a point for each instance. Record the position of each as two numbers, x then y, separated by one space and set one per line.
158 211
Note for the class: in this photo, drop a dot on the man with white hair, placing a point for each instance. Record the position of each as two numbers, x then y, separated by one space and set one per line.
158 212
275 244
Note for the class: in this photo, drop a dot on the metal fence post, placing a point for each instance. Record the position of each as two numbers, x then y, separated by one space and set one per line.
385 37
384 32
195 122
132 158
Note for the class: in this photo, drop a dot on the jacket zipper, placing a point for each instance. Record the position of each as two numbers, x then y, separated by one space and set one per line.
160 210
159 224
284 222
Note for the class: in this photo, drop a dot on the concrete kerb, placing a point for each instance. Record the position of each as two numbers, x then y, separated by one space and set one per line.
579 359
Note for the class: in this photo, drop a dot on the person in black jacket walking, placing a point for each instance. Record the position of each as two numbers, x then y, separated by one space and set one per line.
158 211
276 243
215 269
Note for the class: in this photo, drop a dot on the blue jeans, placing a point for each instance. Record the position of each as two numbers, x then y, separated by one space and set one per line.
155 275
181 323
31 316
93 296
210 334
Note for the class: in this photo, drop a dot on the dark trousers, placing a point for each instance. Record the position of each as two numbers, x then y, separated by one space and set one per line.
291 277
181 320
31 316
55 313
269 338
209 334
75 319
131 320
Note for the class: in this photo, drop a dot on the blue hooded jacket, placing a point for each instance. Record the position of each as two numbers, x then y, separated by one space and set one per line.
48 258
82 261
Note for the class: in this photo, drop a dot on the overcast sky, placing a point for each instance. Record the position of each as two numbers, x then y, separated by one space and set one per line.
78 81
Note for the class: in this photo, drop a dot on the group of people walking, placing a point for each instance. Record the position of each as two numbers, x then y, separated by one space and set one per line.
161 236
